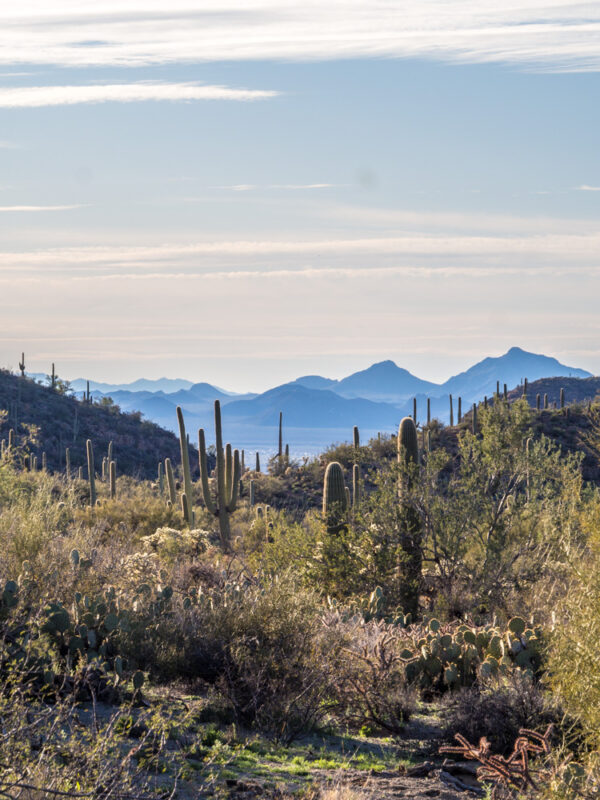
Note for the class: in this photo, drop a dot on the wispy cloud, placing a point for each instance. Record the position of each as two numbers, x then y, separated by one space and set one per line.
41 208
562 251
558 35
37 96
4 145
249 187
585 188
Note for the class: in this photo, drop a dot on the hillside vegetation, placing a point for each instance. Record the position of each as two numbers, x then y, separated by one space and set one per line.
318 629
51 419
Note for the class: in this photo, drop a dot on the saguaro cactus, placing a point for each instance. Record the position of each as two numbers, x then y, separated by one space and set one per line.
355 486
335 500
562 398
415 410
545 402
459 415
91 472
22 365
112 474
185 466
355 437
68 463
257 462
474 420
280 450
451 412
410 533
161 479
227 479
537 401
429 410
53 377
170 481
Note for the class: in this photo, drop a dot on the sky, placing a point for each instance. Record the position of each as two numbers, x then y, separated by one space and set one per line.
244 191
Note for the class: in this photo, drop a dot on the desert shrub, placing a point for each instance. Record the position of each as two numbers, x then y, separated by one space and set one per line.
137 512
170 544
262 645
55 749
573 652
371 688
498 708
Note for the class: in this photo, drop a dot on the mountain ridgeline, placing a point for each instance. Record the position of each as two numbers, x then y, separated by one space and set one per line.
318 410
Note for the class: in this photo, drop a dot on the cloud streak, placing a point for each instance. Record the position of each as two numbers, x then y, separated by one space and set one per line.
557 35
39 96
39 208
251 187
563 252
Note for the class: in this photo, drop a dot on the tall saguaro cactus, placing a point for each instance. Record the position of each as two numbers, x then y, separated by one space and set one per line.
185 467
335 499
22 365
451 412
112 478
411 532
170 481
91 471
280 450
227 479
355 486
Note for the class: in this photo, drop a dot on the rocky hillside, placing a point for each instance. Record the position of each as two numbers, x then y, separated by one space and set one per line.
62 421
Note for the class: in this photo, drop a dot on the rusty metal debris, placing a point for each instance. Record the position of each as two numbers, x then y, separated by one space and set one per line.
509 772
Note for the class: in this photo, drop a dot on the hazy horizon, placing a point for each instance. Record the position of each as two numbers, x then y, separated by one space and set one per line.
245 194
439 378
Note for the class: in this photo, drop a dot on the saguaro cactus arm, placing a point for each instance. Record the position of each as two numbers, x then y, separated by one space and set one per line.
236 472
208 501
185 464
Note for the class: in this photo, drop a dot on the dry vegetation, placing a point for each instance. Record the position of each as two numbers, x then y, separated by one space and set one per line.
140 657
